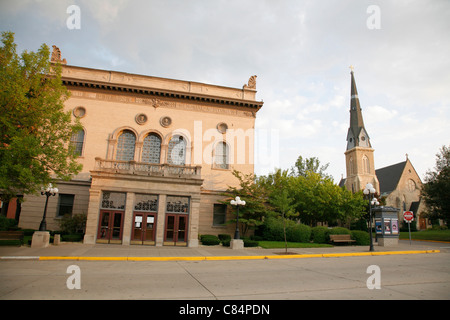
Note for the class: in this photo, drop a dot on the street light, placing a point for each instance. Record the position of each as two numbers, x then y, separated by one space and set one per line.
237 202
369 191
49 191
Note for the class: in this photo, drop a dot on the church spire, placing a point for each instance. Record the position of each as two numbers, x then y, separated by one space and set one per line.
357 135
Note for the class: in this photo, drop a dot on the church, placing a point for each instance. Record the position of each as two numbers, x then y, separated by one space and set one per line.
398 184
157 155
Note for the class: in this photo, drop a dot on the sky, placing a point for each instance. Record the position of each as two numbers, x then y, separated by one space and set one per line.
300 51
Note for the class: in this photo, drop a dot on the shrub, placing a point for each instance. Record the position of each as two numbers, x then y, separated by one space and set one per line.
224 237
209 240
362 237
340 230
272 230
298 233
7 224
250 243
72 237
320 234
226 242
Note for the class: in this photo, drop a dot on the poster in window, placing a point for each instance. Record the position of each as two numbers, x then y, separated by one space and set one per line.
394 226
387 226
378 227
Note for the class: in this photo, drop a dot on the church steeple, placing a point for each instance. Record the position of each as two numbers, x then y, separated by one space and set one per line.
359 154
357 135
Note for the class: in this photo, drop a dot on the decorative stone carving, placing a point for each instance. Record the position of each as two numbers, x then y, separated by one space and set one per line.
251 83
222 127
79 112
165 121
56 56
141 119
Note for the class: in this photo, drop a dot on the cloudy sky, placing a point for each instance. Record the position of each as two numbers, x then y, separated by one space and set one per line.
301 52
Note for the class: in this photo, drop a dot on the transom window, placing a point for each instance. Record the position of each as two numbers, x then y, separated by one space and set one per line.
125 146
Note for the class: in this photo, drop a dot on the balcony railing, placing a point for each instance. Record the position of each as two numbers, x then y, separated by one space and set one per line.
149 169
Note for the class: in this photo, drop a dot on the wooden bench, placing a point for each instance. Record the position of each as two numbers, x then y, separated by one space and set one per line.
341 238
12 235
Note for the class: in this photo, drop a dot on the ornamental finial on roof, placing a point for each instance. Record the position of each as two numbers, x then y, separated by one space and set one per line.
352 68
56 56
251 83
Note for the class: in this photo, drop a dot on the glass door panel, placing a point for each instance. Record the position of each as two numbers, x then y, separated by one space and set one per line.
110 227
104 226
149 228
170 228
181 236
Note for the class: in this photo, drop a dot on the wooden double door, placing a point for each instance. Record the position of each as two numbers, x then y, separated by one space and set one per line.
110 226
176 226
144 228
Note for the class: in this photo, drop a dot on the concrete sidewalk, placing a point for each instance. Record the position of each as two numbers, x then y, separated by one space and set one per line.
79 251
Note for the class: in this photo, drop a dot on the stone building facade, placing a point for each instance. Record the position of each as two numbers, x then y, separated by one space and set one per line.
157 155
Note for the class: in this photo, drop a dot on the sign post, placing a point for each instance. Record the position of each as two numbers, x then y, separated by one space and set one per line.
408 216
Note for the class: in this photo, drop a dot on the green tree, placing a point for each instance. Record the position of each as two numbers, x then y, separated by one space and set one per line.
303 167
34 128
279 199
251 215
436 186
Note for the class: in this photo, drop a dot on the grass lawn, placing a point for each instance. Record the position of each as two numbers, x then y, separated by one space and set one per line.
281 244
436 235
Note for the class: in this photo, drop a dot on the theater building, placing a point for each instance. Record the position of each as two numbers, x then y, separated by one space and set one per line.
157 156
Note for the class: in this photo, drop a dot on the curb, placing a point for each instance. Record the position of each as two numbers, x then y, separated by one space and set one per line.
220 258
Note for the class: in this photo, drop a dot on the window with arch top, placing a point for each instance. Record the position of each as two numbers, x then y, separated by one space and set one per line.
125 146
221 156
177 151
151 150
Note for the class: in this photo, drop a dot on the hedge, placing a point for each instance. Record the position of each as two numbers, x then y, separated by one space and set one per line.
209 240
320 234
272 230
362 237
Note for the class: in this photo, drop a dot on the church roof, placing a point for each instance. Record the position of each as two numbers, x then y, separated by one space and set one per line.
389 176
356 119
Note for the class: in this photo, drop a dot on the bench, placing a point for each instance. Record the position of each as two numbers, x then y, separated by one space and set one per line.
341 238
12 235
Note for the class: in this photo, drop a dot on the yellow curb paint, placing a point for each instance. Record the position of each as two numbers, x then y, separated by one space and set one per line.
221 258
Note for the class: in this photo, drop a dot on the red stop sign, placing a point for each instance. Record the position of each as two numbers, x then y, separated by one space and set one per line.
408 216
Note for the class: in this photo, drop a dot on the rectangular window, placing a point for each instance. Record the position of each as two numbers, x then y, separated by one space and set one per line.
219 215
65 204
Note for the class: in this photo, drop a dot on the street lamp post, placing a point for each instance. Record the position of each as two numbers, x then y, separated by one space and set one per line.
49 191
237 202
369 191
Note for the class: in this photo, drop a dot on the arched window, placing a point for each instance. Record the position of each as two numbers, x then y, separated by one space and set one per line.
221 156
151 150
125 146
177 151
366 164
77 142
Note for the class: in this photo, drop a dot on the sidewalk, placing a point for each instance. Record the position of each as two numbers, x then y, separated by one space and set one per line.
99 252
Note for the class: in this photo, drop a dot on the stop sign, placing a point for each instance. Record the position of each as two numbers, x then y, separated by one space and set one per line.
408 216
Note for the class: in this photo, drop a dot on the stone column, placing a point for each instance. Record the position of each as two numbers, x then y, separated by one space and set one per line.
92 216
194 217
127 219
160 220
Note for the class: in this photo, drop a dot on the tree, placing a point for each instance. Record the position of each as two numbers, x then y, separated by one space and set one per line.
251 215
309 165
436 187
34 128
281 204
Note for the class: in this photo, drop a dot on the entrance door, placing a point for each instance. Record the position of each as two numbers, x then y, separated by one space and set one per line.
110 227
176 230
144 228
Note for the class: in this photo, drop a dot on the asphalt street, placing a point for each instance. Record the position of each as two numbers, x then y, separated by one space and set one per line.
400 276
